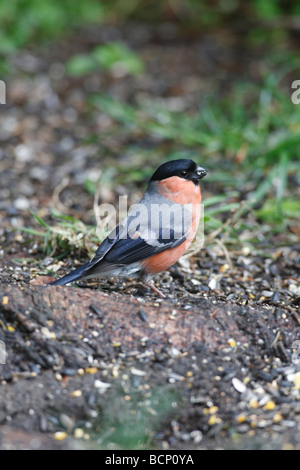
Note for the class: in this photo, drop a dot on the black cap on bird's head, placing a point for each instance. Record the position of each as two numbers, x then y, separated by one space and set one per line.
183 168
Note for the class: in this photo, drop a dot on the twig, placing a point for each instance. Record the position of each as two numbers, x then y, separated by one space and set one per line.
226 252
276 338
213 314
294 313
55 196
230 221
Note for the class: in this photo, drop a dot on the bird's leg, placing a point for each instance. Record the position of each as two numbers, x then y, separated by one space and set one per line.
152 287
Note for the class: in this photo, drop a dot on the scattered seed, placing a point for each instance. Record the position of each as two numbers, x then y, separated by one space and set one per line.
270 405
232 342
59 435
78 433
47 333
277 417
138 372
213 419
238 385
101 386
90 370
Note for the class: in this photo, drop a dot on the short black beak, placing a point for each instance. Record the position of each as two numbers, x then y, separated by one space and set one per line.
201 172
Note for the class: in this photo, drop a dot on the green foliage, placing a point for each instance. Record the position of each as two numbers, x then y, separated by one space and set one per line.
268 9
204 13
131 423
253 135
265 133
26 21
114 56
68 234
272 212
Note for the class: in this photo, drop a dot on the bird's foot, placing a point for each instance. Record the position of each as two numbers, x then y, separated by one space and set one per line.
152 287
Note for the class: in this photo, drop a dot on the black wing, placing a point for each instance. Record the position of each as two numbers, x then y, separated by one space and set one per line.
119 249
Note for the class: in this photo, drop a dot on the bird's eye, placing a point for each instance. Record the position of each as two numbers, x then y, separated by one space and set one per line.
183 173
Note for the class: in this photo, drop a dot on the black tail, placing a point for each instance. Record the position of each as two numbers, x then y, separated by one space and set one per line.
71 277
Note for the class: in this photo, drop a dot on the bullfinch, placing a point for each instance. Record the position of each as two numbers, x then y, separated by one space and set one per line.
155 233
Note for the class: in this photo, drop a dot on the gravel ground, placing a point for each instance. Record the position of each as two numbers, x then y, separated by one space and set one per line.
233 379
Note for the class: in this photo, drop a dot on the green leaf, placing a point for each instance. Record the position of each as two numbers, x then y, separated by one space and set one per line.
289 209
40 221
80 64
116 54
114 108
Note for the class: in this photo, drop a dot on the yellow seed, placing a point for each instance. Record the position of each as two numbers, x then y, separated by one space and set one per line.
213 420
78 433
60 435
252 296
47 333
270 405
224 268
10 328
297 381
5 300
76 393
232 342
287 446
189 373
241 419
91 370
116 344
253 422
213 410
253 403
277 418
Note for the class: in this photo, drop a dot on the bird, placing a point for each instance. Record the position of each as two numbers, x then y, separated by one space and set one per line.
155 233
